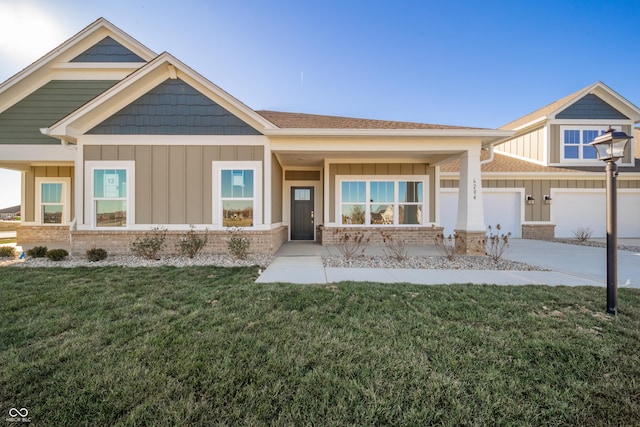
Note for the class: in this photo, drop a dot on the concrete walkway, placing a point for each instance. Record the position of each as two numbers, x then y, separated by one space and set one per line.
569 265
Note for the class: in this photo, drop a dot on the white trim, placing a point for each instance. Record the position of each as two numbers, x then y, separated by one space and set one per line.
396 203
89 202
66 198
33 153
216 199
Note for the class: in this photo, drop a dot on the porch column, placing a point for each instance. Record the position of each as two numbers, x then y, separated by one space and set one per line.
470 227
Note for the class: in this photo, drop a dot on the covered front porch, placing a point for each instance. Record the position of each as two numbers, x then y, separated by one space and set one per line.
382 181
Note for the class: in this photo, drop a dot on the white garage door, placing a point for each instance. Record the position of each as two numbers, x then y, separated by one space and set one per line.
500 207
573 209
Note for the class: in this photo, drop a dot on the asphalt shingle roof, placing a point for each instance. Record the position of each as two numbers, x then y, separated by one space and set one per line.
316 121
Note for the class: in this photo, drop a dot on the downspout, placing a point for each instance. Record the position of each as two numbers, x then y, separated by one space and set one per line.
490 158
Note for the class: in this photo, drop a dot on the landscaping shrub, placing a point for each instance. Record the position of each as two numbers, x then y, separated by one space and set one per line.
149 245
497 243
238 244
7 252
582 234
352 245
191 243
395 248
446 246
37 252
96 254
56 254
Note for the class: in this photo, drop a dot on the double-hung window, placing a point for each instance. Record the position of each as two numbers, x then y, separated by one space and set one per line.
576 140
53 197
110 193
237 193
381 201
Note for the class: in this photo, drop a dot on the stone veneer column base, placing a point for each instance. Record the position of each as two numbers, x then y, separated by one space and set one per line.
471 243
539 231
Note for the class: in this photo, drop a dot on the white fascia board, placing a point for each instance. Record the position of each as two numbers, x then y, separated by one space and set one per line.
531 124
177 140
36 153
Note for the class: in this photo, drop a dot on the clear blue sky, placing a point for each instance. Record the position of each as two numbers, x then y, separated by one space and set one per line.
467 63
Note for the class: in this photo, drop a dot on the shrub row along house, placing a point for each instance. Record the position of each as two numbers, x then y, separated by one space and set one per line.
113 139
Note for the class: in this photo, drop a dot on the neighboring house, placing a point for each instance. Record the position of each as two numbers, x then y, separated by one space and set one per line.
113 139
10 213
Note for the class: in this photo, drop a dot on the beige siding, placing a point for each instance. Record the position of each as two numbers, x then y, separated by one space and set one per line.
173 183
396 169
529 145
276 190
29 209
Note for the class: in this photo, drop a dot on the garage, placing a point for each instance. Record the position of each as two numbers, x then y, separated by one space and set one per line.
501 206
575 208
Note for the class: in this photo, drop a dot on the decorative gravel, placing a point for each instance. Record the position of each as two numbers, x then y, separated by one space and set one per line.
218 260
596 244
431 262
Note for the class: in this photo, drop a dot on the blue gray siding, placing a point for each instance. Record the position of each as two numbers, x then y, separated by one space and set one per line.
173 108
107 50
21 123
591 107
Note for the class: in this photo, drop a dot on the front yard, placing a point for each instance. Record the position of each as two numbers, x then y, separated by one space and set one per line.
206 346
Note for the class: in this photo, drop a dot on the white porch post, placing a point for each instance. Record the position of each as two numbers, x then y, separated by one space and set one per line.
470 227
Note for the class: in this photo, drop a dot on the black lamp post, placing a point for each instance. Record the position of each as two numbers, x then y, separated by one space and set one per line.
610 147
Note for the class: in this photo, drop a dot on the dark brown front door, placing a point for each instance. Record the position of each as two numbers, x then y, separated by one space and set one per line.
302 213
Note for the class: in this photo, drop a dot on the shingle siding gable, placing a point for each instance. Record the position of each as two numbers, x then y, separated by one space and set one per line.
173 108
21 123
591 107
107 50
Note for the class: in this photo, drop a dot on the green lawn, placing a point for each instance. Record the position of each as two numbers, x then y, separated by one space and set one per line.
206 346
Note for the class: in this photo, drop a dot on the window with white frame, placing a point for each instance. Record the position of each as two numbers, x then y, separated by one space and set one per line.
576 140
110 193
52 198
381 201
237 194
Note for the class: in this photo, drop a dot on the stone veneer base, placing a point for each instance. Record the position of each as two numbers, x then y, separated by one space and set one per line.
471 242
411 235
538 231
117 242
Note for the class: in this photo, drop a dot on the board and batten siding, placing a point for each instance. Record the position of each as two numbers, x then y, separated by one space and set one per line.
540 211
529 145
394 169
29 208
173 182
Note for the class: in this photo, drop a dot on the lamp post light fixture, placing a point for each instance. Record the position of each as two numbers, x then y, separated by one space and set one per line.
610 146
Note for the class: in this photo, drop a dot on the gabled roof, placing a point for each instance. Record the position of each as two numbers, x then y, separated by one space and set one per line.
315 121
164 67
549 111
19 85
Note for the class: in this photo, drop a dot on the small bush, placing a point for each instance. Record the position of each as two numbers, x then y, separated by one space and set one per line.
446 246
7 252
37 252
582 234
497 244
352 245
191 243
149 245
96 254
238 245
395 248
56 254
